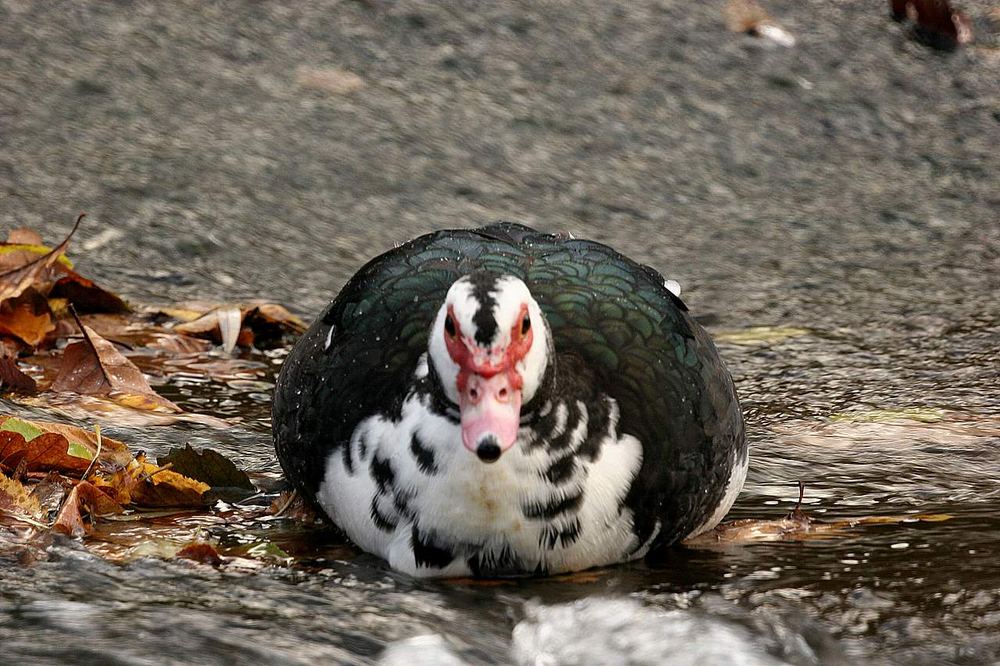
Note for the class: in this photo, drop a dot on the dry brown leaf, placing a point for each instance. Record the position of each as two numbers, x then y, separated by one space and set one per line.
95 367
26 317
13 379
329 80
23 236
15 280
86 296
16 500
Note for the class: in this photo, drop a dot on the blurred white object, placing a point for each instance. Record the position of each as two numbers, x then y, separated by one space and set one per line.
673 286
776 34
426 650
613 632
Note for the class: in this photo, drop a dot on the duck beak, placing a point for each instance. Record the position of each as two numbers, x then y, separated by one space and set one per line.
490 410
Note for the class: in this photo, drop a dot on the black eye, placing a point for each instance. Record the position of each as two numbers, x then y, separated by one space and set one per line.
525 325
449 326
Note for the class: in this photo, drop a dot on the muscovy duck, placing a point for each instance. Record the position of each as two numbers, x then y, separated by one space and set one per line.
501 401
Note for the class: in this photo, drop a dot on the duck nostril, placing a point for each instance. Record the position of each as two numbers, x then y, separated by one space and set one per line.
488 450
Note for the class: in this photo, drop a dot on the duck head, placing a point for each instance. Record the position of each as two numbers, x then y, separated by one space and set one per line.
490 346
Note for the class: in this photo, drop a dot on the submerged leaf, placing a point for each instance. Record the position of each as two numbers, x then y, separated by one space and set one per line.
797 526
95 367
201 552
921 414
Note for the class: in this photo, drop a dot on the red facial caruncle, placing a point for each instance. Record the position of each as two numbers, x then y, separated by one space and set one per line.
489 385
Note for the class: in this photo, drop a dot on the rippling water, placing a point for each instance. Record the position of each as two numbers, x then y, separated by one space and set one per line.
919 434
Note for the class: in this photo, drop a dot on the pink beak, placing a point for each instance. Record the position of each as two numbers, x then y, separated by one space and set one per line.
491 414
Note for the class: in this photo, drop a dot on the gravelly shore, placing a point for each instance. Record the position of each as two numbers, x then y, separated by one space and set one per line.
223 150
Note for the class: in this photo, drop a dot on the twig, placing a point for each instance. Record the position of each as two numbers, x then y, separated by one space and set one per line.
97 431
802 492
288 503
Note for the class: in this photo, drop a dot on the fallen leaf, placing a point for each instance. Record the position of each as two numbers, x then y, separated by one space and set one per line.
264 324
26 317
267 550
935 22
16 500
86 296
760 335
147 485
329 80
95 367
13 379
208 466
747 16
201 552
797 526
85 497
44 452
15 280
23 236
82 443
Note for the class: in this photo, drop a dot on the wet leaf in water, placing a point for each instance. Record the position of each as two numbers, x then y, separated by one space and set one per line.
267 550
14 281
95 367
84 498
209 467
201 552
760 335
797 526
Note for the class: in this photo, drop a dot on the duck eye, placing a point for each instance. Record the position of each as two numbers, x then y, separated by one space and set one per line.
449 326
525 325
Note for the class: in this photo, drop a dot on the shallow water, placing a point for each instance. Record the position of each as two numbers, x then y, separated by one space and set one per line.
846 186
906 593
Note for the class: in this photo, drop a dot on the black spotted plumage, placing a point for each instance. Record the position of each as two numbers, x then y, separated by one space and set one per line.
617 332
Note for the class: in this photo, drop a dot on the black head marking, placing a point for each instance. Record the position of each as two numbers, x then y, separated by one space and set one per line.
483 286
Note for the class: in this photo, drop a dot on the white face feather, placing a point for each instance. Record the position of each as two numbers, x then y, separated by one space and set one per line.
509 294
